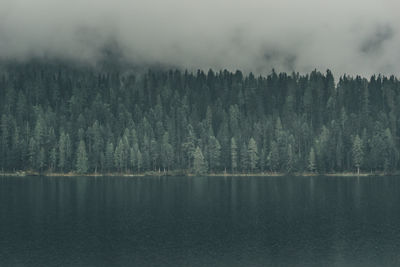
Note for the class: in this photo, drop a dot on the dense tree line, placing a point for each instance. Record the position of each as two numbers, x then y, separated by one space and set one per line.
61 118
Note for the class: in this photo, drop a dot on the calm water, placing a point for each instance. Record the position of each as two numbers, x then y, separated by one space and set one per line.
176 221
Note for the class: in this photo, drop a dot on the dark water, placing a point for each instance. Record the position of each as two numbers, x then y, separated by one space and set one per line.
284 221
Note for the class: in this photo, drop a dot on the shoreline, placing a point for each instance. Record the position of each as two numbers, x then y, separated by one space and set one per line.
182 174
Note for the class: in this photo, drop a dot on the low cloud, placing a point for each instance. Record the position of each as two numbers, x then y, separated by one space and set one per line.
354 37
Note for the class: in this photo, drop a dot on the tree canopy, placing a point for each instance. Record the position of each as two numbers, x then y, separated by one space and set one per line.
63 117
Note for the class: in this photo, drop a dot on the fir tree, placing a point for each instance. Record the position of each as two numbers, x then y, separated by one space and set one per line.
41 159
311 161
53 158
273 157
199 164
214 150
358 153
244 161
109 157
81 158
119 156
233 155
252 152
139 160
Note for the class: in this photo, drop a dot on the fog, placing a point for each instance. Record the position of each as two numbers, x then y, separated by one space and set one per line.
353 37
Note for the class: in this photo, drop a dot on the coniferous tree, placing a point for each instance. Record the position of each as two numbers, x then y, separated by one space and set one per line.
214 150
189 145
32 153
199 163
134 154
252 152
312 161
244 160
139 160
119 156
81 158
4 140
233 155
109 157
62 152
273 157
53 159
97 145
358 153
167 152
41 159
290 159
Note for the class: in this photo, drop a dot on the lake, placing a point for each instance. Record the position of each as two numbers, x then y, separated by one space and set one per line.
200 221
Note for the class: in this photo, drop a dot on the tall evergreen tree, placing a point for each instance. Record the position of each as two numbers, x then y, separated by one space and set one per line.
139 160
358 153
109 157
189 145
252 152
167 152
312 161
81 158
41 159
199 164
63 151
214 150
290 159
233 155
273 157
244 160
119 156
53 159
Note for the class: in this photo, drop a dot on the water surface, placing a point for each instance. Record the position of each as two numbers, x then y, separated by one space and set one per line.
200 221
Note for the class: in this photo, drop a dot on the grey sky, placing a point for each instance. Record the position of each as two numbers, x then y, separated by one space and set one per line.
347 36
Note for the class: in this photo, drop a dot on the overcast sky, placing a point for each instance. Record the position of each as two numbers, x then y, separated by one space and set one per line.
346 36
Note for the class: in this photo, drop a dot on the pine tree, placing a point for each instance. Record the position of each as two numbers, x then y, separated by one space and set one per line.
119 156
145 151
81 158
62 154
189 145
252 152
273 157
53 158
167 152
97 145
125 149
233 155
358 153
244 161
109 157
15 148
290 159
134 155
139 160
312 161
32 153
41 159
68 152
199 164
214 150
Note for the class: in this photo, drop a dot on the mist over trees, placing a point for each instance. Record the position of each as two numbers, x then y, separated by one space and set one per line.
62 118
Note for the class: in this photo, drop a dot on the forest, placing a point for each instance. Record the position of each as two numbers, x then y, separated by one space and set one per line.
59 117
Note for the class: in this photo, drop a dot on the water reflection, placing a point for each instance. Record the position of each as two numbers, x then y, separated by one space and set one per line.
198 221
